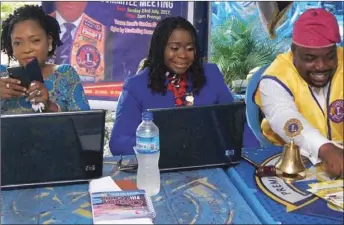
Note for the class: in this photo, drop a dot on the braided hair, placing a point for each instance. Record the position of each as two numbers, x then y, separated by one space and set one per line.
29 12
155 59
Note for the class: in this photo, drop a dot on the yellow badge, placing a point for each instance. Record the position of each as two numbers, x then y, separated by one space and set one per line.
293 127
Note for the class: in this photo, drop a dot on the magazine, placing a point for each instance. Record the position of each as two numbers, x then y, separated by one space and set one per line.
113 205
121 205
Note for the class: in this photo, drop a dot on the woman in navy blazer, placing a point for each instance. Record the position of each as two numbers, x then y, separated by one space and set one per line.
172 76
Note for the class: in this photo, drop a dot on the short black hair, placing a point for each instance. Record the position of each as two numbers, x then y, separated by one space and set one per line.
155 59
30 12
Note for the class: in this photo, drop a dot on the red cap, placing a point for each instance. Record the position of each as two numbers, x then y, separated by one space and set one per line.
316 28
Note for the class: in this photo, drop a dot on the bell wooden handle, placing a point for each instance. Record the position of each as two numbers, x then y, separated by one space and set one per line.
266 171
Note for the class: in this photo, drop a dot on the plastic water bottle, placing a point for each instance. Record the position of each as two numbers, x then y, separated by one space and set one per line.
147 152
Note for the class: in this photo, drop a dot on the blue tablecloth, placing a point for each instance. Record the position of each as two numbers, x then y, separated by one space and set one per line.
275 201
202 196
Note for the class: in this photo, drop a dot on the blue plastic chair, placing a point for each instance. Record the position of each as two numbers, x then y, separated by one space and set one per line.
252 109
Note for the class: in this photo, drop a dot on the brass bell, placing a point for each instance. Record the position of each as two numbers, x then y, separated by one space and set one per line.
290 161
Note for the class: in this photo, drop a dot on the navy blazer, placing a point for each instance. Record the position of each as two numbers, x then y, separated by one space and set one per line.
136 97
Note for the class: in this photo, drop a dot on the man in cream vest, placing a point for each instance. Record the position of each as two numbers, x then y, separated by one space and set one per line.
84 40
307 84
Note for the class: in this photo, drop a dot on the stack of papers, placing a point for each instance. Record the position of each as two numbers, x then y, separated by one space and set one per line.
330 191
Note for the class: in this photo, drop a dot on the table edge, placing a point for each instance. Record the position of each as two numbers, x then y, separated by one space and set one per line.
248 195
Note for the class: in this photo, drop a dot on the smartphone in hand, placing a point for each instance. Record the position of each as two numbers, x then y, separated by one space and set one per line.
18 72
33 70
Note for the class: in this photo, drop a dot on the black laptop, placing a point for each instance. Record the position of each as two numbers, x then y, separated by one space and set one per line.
200 137
51 148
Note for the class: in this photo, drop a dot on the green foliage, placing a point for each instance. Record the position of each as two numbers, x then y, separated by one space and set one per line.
239 46
8 7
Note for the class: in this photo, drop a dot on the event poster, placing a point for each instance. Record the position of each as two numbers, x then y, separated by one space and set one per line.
105 41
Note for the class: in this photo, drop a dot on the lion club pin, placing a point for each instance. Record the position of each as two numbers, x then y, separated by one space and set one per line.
293 127
189 99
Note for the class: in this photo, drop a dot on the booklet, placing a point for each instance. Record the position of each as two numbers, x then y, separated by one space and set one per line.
111 205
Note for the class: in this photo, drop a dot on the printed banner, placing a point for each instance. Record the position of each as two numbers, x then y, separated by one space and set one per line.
105 41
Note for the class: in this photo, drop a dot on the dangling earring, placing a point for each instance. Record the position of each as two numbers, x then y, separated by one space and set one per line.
50 48
9 62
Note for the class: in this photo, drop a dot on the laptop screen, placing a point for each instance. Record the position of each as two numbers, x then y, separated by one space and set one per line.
51 147
200 136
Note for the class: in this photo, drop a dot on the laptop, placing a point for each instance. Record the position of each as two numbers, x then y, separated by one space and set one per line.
51 148
200 137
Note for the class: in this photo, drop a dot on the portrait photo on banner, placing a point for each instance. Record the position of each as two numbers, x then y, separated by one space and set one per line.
106 41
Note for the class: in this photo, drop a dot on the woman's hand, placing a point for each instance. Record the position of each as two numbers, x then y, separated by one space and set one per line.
37 93
10 88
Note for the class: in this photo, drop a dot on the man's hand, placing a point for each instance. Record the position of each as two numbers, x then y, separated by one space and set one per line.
332 159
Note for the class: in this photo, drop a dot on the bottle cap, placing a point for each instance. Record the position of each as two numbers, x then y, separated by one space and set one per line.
146 116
